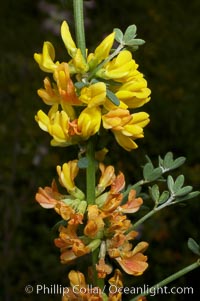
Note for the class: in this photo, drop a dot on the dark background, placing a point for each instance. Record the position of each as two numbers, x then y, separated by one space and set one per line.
170 61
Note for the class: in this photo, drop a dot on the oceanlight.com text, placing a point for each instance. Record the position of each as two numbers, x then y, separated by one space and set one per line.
58 289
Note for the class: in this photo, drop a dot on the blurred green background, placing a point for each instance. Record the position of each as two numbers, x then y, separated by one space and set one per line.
170 61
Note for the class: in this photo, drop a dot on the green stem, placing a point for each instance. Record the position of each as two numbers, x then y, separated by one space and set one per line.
90 152
79 25
139 183
169 279
90 173
108 59
142 219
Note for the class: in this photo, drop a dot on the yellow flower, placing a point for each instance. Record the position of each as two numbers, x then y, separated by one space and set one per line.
126 127
45 59
57 124
67 39
94 95
89 122
101 52
134 93
78 63
120 68
67 173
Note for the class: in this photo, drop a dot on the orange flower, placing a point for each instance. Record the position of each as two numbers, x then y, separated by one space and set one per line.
95 225
133 204
106 179
117 284
64 210
134 262
65 85
48 197
80 290
103 269
70 245
49 95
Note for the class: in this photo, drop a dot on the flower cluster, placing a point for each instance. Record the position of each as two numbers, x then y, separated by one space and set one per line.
91 92
102 225
80 290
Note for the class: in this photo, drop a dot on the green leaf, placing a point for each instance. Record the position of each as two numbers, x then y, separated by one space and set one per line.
178 162
151 174
160 161
118 35
189 196
130 33
193 246
135 42
178 183
157 172
168 160
164 197
80 85
170 183
183 191
154 192
112 97
83 162
147 170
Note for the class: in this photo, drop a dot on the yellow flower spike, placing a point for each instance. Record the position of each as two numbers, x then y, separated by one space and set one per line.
67 174
102 51
45 59
67 39
89 122
94 95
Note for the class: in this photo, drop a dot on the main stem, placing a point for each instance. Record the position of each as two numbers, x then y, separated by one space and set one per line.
90 151
79 25
90 173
